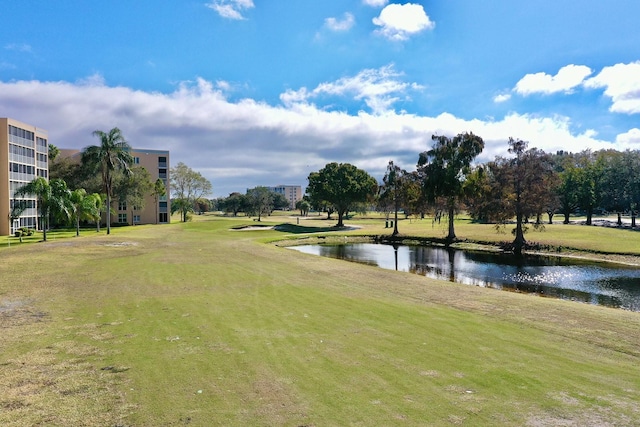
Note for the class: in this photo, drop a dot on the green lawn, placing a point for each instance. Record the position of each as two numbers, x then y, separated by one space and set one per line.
201 325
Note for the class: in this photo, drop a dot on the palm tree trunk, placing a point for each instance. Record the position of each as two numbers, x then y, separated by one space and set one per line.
108 213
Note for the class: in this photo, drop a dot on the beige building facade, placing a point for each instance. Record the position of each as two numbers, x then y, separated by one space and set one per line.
293 193
24 156
157 163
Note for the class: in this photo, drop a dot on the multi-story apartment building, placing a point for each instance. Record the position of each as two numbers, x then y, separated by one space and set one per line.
156 162
293 193
24 156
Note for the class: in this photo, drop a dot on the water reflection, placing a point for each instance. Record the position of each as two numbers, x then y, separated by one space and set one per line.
595 283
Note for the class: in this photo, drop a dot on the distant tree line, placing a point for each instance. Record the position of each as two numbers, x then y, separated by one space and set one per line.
520 188
257 201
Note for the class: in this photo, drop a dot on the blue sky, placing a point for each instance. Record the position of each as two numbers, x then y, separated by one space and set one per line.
257 92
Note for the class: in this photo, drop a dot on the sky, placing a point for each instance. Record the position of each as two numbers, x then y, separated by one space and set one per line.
264 92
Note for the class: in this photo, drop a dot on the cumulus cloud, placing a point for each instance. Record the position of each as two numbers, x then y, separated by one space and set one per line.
568 78
629 140
378 88
344 24
375 3
501 97
242 144
401 21
231 9
622 85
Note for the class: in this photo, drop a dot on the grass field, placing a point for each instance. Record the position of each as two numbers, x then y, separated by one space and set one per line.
199 324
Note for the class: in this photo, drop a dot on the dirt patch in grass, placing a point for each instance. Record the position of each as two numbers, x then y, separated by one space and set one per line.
62 384
19 312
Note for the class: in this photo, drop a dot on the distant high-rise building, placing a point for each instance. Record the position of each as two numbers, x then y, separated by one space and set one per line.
293 193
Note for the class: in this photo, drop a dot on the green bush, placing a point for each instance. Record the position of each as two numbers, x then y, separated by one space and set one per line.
26 231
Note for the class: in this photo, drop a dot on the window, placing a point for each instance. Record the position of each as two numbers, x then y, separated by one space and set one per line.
122 206
162 162
136 160
122 218
163 217
136 219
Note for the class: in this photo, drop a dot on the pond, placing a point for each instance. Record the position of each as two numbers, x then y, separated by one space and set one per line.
607 284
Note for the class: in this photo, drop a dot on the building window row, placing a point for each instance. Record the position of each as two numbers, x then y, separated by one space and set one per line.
21 133
42 143
22 151
20 168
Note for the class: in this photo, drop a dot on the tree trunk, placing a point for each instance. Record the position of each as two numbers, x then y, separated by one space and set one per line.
108 213
44 227
452 234
395 218
619 218
589 215
519 242
340 215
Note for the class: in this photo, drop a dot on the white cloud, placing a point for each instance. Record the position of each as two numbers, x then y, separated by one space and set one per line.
622 85
20 47
375 3
239 145
399 22
335 24
231 9
566 80
501 97
378 88
629 140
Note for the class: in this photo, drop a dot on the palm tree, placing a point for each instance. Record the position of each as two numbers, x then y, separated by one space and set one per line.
51 196
111 155
84 206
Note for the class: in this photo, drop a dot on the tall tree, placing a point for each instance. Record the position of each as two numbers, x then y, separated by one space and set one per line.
391 190
342 186
589 183
53 152
51 197
444 168
187 186
259 201
520 183
111 155
235 203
